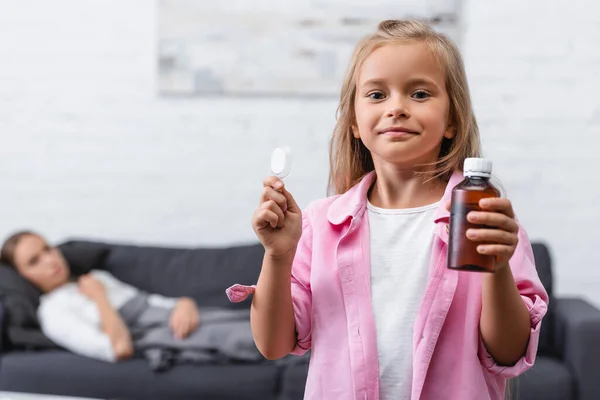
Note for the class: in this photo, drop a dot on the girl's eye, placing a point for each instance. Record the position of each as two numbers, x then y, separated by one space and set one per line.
376 96
420 95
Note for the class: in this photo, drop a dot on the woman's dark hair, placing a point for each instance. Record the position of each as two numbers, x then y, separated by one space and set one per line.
7 254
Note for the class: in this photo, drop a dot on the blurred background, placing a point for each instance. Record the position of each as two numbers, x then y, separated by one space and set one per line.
125 120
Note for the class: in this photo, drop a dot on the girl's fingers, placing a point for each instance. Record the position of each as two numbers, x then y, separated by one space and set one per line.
498 250
271 194
275 209
274 182
498 204
266 218
493 236
493 219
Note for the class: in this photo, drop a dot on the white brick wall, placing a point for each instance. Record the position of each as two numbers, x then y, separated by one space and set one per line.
534 73
89 150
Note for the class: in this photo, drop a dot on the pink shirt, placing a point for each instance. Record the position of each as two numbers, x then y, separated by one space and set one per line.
334 315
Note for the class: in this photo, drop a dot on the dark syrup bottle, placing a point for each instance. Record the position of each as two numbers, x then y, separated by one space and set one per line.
462 252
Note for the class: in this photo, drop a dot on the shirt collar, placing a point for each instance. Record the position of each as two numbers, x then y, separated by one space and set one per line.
353 203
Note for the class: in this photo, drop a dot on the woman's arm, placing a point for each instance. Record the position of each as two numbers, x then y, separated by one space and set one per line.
66 326
114 327
111 322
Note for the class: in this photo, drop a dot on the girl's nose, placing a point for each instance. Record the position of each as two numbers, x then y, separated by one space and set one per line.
398 111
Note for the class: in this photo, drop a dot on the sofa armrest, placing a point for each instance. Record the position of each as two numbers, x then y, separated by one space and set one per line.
577 337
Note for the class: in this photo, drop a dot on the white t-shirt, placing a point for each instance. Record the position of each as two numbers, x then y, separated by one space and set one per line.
401 241
72 320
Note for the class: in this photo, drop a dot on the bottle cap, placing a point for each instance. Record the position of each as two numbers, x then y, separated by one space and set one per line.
281 162
481 167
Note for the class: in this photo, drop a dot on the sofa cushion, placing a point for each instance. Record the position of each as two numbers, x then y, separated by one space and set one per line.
548 379
15 286
202 273
20 300
62 373
82 257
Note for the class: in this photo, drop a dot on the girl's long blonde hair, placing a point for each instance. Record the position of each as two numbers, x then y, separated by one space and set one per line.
350 160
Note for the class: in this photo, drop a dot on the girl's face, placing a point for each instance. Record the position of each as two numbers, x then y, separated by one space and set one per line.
401 106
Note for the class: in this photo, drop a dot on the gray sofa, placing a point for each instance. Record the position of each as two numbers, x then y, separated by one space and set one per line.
199 273
568 365
568 362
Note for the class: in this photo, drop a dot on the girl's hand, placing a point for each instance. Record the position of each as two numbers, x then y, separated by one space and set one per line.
501 238
278 219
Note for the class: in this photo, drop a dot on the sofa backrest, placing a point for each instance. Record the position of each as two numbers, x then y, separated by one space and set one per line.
205 273
200 273
543 263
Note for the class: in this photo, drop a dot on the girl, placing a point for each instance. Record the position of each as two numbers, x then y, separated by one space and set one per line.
360 277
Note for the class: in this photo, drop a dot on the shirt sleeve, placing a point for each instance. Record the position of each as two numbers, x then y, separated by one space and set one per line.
301 292
67 328
534 296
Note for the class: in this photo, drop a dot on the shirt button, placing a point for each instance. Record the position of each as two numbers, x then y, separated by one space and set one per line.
347 275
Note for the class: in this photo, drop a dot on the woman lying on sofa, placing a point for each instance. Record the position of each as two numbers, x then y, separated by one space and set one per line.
98 316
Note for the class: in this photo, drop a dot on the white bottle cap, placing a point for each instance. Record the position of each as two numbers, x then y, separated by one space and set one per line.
281 162
478 167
